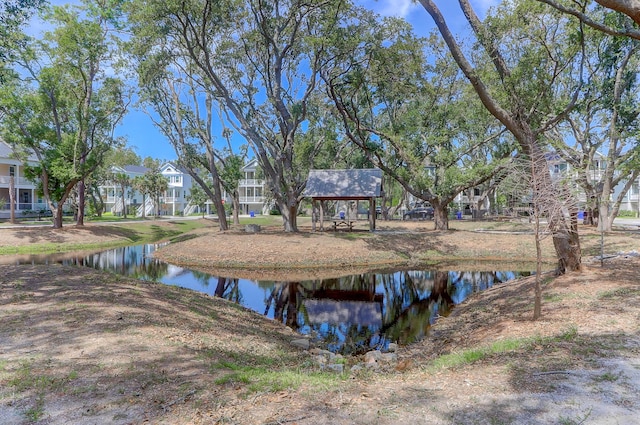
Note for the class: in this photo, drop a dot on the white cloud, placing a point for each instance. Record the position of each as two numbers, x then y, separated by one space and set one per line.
483 5
404 8
399 8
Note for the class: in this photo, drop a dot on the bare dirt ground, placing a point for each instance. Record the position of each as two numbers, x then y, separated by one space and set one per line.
79 346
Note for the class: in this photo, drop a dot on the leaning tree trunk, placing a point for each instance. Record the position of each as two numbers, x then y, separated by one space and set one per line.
81 201
217 194
96 200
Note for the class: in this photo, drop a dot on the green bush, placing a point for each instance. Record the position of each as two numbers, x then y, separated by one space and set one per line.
626 213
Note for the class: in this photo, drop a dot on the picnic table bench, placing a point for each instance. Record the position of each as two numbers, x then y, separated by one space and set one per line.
342 223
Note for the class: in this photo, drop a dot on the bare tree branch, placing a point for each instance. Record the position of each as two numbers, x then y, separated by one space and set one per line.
631 8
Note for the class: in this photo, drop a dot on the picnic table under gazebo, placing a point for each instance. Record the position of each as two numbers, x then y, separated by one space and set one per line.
343 185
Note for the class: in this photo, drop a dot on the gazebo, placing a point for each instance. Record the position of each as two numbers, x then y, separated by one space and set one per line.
344 185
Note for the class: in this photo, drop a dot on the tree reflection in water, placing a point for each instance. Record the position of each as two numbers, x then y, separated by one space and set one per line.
349 315
229 289
409 302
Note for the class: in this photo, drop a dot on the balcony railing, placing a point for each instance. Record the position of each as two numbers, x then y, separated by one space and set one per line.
25 206
17 181
251 199
173 200
251 183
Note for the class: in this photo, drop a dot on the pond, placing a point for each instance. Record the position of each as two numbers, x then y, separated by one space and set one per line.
347 315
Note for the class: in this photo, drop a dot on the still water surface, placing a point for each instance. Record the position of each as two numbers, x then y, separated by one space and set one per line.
348 315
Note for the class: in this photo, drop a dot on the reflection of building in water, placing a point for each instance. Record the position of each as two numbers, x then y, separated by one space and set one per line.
350 301
344 307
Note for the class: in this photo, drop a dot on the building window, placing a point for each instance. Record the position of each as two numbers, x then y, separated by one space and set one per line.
12 171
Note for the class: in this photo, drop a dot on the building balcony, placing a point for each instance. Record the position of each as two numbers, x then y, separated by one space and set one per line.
251 183
251 199
465 199
19 182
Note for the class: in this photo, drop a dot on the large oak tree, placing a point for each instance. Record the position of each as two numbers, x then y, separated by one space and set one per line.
258 59
521 90
421 126
62 106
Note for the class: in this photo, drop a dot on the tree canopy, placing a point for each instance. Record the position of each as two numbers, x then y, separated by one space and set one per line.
63 107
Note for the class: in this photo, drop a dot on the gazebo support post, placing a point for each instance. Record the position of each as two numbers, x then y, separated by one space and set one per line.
372 214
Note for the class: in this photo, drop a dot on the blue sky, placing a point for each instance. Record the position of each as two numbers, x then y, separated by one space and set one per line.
148 141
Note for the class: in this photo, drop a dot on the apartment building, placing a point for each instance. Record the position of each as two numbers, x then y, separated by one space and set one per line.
252 190
26 197
630 202
112 194
175 200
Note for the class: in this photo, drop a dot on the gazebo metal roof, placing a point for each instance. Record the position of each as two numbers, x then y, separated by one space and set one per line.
354 184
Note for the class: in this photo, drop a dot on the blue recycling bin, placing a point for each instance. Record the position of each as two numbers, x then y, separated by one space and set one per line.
459 215
341 215
252 214
580 215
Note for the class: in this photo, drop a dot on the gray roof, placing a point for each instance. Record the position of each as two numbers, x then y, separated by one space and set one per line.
344 184
135 169
6 151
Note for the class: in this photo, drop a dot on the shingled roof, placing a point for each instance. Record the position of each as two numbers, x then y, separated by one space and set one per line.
344 184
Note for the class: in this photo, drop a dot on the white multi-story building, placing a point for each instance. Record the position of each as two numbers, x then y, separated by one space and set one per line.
25 195
175 200
112 194
630 202
558 169
172 202
252 190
